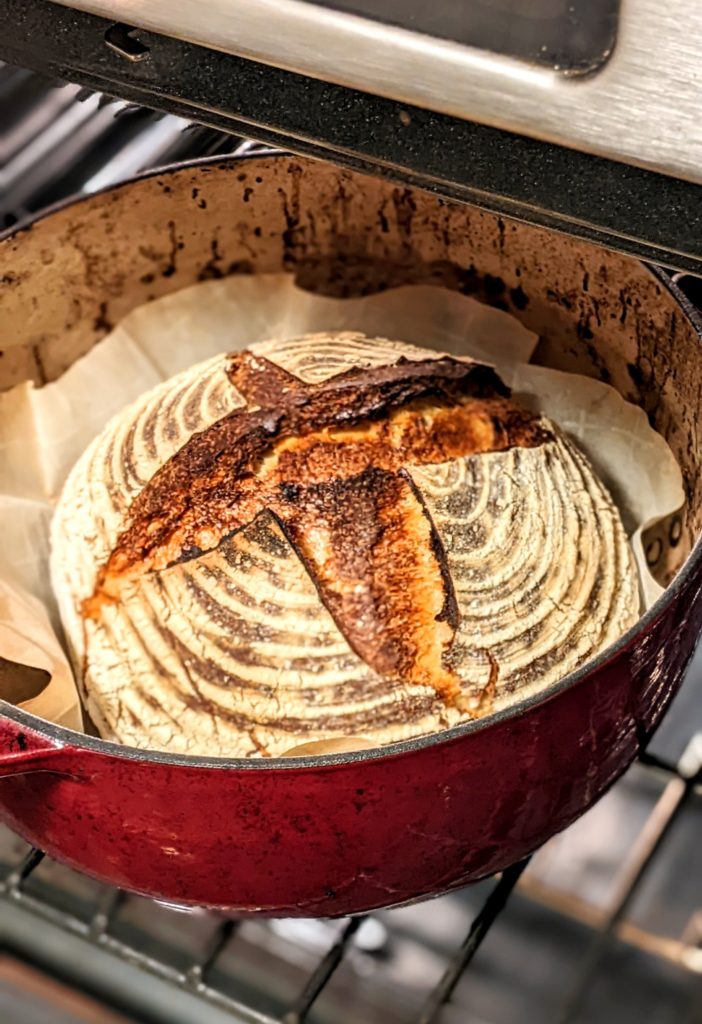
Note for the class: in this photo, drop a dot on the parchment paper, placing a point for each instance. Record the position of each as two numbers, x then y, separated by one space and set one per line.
26 637
44 430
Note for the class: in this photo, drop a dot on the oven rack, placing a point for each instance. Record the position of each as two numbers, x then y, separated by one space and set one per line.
196 977
59 139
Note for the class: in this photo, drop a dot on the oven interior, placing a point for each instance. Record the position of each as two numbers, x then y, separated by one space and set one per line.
605 922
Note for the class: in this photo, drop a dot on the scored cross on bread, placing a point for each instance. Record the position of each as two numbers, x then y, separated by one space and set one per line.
330 462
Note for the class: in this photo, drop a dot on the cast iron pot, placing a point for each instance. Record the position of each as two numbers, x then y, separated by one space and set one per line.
341 834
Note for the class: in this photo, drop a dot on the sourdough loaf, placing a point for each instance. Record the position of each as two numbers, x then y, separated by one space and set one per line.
332 538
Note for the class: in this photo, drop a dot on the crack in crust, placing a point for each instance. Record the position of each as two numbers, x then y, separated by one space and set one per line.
329 461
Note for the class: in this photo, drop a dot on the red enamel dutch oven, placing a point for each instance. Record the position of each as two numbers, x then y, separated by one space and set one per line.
345 833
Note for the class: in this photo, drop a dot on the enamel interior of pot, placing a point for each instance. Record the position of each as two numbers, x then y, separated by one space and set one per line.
74 274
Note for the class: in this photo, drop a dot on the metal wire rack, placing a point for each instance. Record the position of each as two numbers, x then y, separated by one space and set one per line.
468 957
196 976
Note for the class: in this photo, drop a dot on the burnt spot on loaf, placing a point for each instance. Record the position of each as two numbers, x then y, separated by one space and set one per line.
290 492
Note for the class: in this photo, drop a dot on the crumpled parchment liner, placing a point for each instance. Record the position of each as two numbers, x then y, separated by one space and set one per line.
43 431
27 637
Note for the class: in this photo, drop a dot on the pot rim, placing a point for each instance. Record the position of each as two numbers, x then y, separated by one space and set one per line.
61 736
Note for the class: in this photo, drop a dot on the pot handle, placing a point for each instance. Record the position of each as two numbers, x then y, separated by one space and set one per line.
47 758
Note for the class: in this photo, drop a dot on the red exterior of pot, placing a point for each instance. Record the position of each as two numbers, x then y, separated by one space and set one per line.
338 838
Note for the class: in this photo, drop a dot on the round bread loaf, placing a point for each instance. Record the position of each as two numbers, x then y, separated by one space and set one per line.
331 539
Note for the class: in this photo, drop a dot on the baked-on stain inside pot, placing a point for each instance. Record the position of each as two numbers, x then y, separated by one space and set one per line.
329 460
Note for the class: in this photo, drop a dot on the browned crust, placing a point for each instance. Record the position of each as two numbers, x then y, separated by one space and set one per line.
328 461
215 459
382 581
261 382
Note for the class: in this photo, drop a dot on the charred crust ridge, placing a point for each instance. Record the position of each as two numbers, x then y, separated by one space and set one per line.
232 446
360 528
